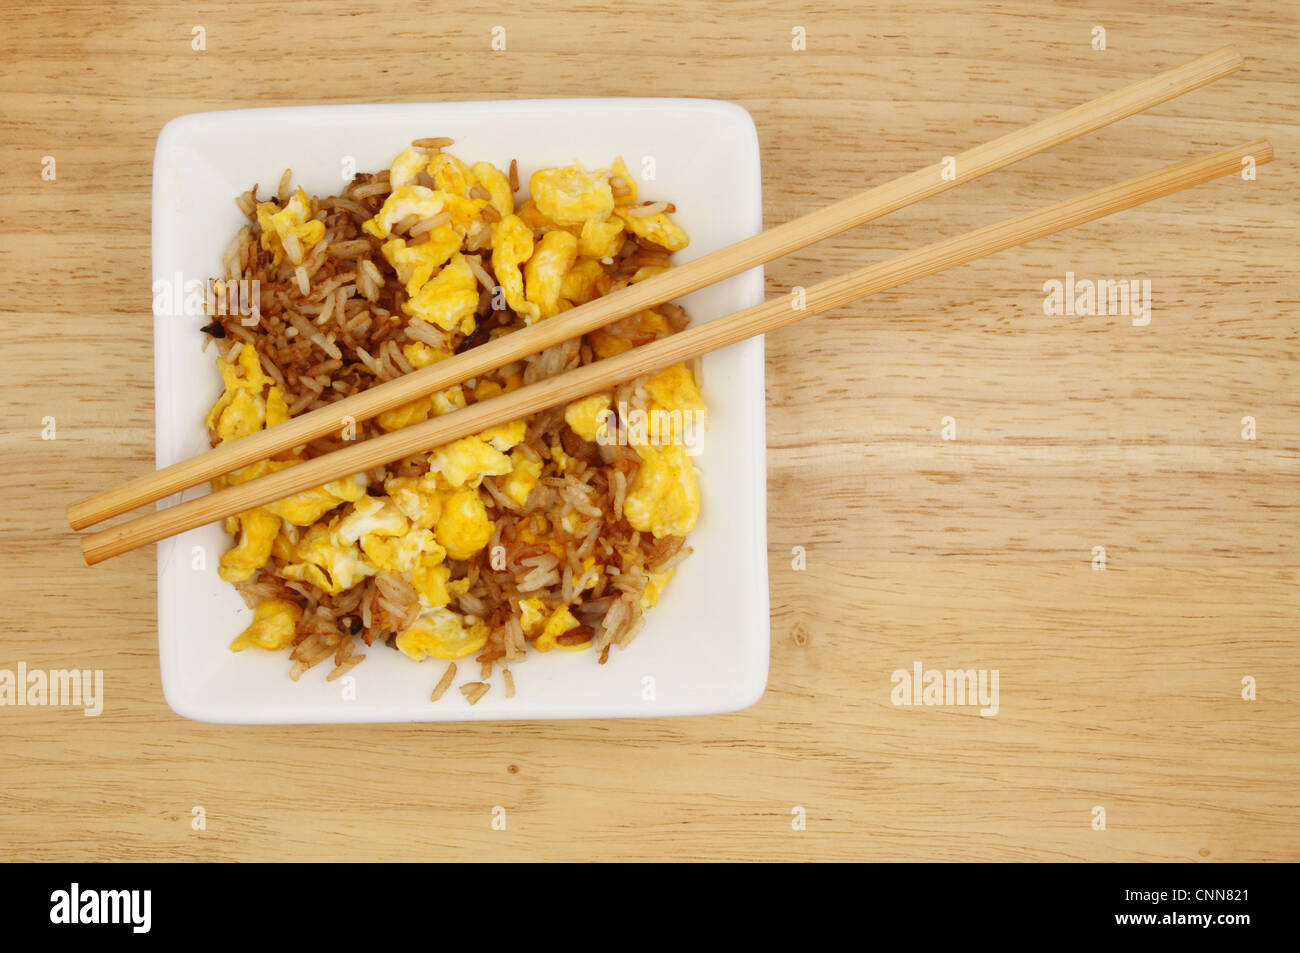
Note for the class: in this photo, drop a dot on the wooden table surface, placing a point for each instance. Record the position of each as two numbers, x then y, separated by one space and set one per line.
1120 689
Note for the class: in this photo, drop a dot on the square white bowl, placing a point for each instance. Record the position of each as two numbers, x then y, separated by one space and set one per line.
704 647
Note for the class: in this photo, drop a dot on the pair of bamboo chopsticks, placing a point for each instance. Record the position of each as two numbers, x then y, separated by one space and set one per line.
684 345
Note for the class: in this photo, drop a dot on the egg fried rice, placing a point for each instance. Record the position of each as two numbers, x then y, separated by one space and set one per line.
546 533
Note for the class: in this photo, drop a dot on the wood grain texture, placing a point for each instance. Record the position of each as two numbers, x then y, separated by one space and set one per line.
1119 689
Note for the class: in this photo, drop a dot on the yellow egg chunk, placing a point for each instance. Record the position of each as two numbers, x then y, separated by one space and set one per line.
307 506
252 472
407 200
277 411
561 621
504 436
600 239
407 166
240 410
275 622
487 389
655 588
589 416
607 344
570 195
277 223
562 459
466 461
416 411
463 211
417 498
585 281
430 579
664 497
245 373
257 532
451 174
532 613
619 169
497 185
324 560
512 245
422 355
463 526
441 633
449 299
285 540
525 475
245 414
656 228
544 273
415 264
372 516
532 216
674 388
416 552
445 401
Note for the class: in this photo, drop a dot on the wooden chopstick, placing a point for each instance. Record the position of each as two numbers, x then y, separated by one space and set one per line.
684 345
705 270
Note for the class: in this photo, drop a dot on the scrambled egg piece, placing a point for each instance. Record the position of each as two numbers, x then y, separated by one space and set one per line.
408 164
371 516
463 526
432 581
465 462
241 409
294 217
505 436
618 169
273 626
415 264
600 239
413 413
585 281
524 475
445 401
497 185
512 245
442 633
570 195
449 299
674 389
307 506
417 498
544 273
401 202
655 588
589 416
422 355
257 532
664 496
532 613
657 228
450 174
561 621
417 551
321 558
